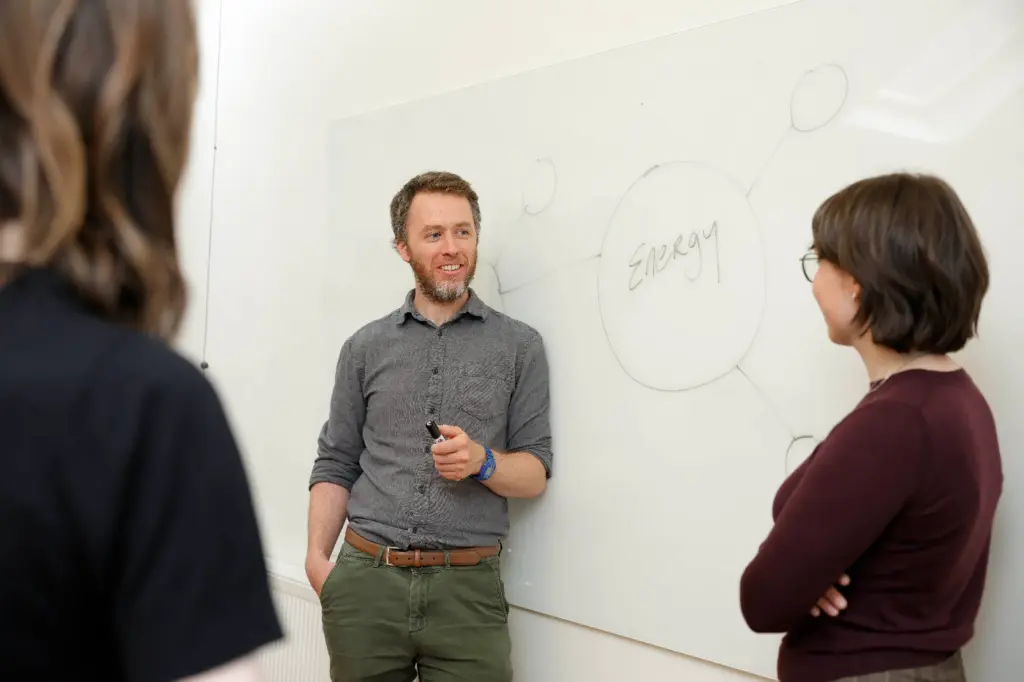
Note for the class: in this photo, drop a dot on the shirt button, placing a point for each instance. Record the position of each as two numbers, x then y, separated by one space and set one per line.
426 449
435 370
439 332
421 488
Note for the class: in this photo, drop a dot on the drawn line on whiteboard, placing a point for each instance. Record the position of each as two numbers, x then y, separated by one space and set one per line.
535 280
764 398
816 100
510 233
497 276
768 161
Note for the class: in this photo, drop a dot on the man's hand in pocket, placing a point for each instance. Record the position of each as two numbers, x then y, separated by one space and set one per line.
317 570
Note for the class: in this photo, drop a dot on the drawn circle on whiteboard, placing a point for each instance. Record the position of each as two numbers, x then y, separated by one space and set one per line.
681 278
798 451
818 97
539 186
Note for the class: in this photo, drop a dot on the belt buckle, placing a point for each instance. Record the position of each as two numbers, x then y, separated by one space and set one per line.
387 555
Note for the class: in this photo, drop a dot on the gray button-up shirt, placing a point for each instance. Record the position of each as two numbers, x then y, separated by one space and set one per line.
482 371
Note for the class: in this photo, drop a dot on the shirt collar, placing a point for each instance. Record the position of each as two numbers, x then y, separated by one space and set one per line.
473 307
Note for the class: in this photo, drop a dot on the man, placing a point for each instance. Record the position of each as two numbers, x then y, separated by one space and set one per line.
417 586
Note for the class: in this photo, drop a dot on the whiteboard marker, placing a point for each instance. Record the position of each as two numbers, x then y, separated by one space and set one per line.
435 432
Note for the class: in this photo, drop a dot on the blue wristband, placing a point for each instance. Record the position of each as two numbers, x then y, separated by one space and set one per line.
487 468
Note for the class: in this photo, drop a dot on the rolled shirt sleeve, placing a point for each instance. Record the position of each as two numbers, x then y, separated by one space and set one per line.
340 443
529 422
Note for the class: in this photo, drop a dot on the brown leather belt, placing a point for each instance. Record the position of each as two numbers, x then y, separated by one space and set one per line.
417 558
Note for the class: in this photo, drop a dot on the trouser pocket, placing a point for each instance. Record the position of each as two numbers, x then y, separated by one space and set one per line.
365 614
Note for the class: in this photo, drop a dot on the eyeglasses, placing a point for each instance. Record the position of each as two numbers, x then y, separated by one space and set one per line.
809 262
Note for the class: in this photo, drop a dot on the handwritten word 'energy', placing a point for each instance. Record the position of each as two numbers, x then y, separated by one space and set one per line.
649 261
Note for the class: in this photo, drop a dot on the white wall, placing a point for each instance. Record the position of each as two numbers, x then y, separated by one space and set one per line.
287 70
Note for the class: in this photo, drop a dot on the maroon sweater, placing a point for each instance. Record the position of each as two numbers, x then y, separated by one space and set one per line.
900 496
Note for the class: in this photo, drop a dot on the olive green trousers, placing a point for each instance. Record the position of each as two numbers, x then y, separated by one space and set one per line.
389 624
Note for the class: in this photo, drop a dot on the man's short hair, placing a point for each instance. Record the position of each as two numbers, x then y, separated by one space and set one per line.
431 181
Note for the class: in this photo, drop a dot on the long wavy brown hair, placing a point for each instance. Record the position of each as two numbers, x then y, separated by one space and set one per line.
96 102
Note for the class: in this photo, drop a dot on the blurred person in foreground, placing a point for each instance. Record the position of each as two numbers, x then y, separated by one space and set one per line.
876 565
130 549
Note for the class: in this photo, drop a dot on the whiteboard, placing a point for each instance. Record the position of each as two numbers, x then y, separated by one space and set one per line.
645 209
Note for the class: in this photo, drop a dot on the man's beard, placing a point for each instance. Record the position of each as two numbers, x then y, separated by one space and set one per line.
441 292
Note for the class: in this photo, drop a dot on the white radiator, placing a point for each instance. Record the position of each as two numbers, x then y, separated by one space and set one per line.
301 656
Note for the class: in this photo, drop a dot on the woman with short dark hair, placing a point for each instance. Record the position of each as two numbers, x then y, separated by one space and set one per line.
876 563
130 549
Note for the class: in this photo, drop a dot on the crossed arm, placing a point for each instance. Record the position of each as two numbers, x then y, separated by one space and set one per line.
859 480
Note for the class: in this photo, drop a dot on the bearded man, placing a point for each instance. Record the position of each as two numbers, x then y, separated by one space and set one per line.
416 588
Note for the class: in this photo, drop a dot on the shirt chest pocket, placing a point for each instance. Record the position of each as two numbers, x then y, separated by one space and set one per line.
481 392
